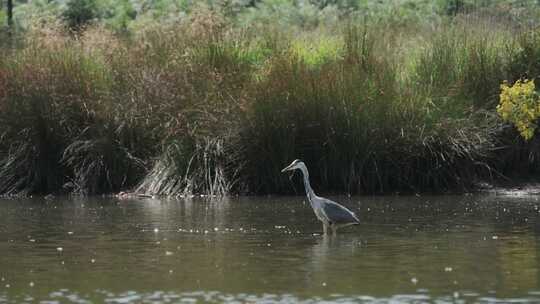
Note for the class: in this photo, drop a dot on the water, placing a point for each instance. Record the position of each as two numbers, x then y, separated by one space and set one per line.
442 249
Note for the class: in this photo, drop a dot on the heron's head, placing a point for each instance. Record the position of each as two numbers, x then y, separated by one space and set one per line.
296 164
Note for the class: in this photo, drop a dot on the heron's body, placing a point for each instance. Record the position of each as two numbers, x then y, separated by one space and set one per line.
330 213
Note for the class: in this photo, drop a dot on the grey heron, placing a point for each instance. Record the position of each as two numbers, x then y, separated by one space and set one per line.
330 213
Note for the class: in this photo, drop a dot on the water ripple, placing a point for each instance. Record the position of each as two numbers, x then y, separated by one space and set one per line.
155 297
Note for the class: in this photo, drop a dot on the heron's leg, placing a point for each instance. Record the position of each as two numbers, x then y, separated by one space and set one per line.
334 230
325 229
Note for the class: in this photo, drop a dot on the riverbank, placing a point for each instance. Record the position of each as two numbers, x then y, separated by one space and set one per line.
202 106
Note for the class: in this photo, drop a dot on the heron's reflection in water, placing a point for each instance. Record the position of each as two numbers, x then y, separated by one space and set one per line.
327 255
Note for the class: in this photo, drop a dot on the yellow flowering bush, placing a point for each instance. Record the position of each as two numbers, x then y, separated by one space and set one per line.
520 105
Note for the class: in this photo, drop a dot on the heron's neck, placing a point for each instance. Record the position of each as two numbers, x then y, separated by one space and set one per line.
309 191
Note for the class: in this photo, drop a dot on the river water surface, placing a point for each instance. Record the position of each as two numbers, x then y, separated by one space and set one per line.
425 249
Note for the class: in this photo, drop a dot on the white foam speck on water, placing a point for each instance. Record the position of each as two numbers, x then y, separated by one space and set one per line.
216 229
127 297
59 249
448 269
156 230
414 281
31 284
70 232
92 261
494 237
168 253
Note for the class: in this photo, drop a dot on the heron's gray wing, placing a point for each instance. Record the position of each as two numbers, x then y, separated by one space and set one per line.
337 213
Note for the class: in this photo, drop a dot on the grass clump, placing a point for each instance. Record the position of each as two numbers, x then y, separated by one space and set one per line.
362 125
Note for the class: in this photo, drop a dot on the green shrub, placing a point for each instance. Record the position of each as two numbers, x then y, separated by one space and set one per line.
79 13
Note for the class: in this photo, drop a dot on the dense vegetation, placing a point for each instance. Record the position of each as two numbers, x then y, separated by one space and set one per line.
97 98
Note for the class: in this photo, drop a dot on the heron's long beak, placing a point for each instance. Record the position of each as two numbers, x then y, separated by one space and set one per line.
287 168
